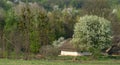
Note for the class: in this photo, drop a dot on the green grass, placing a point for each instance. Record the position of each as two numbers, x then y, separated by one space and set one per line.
57 62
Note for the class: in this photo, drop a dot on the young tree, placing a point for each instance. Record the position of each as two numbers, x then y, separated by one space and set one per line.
92 33
56 23
33 20
69 17
12 35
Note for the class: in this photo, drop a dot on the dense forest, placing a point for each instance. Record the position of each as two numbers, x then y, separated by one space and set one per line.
31 27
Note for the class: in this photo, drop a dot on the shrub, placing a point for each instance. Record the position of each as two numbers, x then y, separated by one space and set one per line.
49 51
59 42
92 33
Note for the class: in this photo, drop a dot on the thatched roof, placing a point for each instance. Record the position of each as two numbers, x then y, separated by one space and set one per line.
67 46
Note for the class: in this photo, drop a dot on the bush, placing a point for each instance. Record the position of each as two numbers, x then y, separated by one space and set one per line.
59 42
49 51
92 33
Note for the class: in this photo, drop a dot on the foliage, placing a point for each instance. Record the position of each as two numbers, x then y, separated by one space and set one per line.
12 38
92 33
11 21
2 24
69 17
34 40
2 18
114 2
58 43
117 11
55 19
49 51
97 7
35 23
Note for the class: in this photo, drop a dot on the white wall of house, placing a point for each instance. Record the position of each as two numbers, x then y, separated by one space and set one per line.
69 53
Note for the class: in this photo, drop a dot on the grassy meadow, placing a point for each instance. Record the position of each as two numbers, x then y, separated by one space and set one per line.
57 62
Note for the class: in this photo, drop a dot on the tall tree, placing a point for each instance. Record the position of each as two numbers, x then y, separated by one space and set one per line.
56 23
69 17
2 24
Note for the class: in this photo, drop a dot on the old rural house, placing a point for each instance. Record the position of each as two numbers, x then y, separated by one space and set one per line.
67 49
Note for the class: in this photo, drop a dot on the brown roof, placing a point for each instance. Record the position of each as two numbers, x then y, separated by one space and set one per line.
67 46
